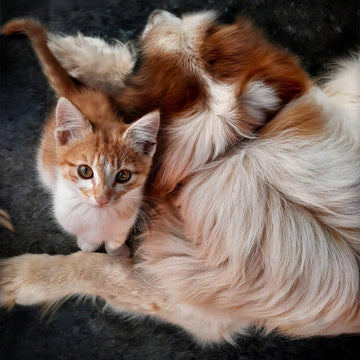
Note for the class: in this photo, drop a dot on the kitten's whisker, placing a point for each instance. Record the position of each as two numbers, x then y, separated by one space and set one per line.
76 206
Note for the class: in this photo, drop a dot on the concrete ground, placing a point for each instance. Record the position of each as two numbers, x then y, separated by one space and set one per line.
316 31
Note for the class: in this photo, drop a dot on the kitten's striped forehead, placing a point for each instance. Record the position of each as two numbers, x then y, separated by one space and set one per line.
106 152
110 150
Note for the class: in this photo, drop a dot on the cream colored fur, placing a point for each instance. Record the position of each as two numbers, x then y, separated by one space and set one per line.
80 55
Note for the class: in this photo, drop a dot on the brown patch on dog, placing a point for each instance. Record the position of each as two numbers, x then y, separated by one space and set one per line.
301 119
239 54
162 82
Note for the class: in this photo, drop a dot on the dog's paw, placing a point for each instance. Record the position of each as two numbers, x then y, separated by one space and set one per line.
20 281
86 245
8 292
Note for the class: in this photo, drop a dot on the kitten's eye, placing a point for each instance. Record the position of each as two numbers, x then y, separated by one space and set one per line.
85 172
123 176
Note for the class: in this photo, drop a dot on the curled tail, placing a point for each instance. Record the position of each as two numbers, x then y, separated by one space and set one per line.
343 86
93 61
58 78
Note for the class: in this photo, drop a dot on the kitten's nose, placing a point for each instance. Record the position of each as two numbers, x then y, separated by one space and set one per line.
102 200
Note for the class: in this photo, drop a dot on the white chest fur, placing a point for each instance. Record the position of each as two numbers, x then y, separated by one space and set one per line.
93 225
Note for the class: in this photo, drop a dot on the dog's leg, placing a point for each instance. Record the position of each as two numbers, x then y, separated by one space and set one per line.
42 279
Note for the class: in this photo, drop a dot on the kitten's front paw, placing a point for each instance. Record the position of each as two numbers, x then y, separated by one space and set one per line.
85 245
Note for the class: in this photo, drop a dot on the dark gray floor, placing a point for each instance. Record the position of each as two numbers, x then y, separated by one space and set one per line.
317 31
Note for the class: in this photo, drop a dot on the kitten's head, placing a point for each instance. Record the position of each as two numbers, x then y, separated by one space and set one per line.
101 160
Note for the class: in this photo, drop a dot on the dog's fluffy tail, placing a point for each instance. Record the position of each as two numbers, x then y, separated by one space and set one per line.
343 86
93 61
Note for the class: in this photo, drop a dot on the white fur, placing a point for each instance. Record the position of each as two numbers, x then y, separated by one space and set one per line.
259 99
157 17
92 224
207 132
182 34
344 88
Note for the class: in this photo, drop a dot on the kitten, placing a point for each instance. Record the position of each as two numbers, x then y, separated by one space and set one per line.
94 165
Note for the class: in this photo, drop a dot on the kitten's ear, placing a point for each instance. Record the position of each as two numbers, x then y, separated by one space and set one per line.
70 122
142 134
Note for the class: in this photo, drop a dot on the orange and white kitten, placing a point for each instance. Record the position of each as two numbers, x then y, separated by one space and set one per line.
94 164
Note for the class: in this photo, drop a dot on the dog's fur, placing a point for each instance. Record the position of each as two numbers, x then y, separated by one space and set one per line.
265 230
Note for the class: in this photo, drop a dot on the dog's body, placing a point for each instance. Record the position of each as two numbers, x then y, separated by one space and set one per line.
265 231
